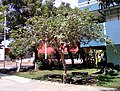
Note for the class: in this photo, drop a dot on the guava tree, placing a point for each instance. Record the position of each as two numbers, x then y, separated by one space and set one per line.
18 12
18 50
64 26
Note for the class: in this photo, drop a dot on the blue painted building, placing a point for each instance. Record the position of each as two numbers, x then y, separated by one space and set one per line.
110 17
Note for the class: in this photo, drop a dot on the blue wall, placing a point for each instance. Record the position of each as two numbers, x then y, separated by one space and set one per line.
113 30
94 43
113 56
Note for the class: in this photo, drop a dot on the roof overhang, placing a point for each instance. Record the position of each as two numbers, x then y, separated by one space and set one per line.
104 14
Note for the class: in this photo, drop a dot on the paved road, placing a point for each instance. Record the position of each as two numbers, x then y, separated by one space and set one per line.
15 83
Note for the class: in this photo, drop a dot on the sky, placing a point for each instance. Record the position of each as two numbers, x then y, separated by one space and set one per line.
73 3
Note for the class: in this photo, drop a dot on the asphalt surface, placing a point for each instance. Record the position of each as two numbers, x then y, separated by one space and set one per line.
15 83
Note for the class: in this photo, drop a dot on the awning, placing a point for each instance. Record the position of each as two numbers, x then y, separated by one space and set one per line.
49 50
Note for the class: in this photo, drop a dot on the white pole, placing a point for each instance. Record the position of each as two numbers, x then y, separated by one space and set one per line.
46 48
4 36
104 30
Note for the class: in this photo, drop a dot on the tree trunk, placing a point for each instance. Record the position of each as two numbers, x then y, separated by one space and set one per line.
81 53
64 67
70 55
19 65
35 58
57 55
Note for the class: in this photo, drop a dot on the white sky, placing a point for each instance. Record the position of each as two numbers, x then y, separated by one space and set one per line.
73 3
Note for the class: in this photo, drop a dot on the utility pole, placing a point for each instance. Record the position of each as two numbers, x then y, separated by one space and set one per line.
46 48
4 35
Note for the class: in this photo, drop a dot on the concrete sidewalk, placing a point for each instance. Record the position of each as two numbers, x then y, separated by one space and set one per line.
24 84
15 78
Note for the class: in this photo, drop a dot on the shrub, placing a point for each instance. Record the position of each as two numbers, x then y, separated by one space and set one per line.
117 67
40 61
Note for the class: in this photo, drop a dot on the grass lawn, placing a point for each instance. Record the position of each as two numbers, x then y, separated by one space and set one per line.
109 81
106 81
41 73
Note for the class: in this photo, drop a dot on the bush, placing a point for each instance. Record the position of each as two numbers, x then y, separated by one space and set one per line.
40 61
117 67
110 65
113 72
40 64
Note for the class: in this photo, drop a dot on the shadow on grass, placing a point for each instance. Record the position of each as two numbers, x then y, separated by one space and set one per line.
105 79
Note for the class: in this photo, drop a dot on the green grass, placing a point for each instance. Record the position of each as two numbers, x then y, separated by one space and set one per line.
109 81
37 74
41 73
105 81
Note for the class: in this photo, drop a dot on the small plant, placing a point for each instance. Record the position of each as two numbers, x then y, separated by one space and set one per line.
40 78
117 67
40 61
31 72
40 64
